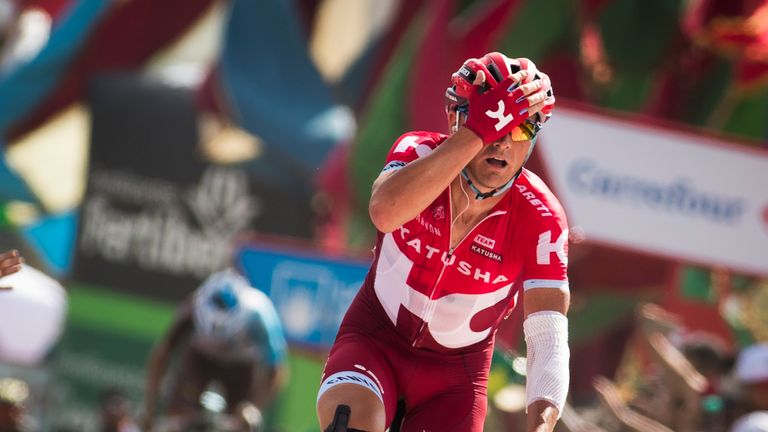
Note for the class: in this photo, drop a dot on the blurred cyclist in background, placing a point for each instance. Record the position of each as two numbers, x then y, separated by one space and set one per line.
228 333
463 230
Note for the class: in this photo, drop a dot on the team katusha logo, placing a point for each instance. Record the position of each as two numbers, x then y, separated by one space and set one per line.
438 213
485 241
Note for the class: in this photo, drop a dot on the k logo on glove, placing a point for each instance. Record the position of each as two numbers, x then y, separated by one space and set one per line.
494 113
499 114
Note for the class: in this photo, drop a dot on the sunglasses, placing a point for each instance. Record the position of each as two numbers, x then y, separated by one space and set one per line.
525 132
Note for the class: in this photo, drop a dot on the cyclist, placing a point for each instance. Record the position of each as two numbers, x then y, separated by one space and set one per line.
463 231
228 333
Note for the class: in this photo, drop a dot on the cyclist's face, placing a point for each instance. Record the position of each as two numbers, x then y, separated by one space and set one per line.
496 163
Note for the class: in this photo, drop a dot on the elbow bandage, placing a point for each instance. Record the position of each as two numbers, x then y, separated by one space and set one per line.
546 335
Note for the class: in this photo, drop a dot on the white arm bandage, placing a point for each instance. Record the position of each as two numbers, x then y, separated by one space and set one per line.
546 335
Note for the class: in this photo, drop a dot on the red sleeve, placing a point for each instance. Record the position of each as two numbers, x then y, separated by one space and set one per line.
411 146
544 252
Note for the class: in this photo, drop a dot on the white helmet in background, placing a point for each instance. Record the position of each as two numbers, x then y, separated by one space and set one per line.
218 306
753 422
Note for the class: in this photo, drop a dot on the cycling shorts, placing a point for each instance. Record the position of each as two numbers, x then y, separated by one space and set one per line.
442 392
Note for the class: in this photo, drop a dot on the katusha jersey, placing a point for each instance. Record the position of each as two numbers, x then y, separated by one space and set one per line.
447 299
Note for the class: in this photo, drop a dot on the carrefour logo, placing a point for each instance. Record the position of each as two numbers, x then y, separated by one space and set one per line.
678 196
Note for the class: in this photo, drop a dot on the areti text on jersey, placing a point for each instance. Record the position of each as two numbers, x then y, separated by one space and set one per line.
531 197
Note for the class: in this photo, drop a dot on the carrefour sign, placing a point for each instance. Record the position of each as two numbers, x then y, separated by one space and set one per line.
666 192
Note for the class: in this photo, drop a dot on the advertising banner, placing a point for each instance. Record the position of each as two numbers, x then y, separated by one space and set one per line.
157 218
665 192
311 293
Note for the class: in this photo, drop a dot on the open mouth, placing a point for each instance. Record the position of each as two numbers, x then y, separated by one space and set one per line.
500 163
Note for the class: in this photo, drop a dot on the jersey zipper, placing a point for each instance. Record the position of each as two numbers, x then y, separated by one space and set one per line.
431 305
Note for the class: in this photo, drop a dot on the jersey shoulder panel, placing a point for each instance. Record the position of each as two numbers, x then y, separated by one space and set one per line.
542 244
536 202
413 145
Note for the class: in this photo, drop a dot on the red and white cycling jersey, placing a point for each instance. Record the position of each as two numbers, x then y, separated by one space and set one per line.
448 300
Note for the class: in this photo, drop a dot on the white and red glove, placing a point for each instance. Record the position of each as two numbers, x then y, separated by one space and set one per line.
495 112
496 108
533 72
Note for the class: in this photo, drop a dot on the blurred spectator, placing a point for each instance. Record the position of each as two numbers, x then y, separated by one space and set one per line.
714 362
628 418
31 316
116 413
751 371
679 384
709 358
13 394
229 333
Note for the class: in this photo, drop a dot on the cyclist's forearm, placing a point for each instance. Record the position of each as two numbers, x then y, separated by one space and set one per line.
157 366
542 417
399 196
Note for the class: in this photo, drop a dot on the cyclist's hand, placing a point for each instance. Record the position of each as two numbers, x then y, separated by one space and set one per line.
548 105
541 111
495 112
250 415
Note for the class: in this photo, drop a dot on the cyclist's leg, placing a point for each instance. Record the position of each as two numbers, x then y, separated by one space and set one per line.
239 382
460 410
357 375
449 395
190 380
237 378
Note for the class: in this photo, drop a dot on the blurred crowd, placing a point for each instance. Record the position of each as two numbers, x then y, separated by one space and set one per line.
674 378
671 376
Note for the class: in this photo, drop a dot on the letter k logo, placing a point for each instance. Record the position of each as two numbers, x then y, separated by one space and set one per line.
544 248
503 120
